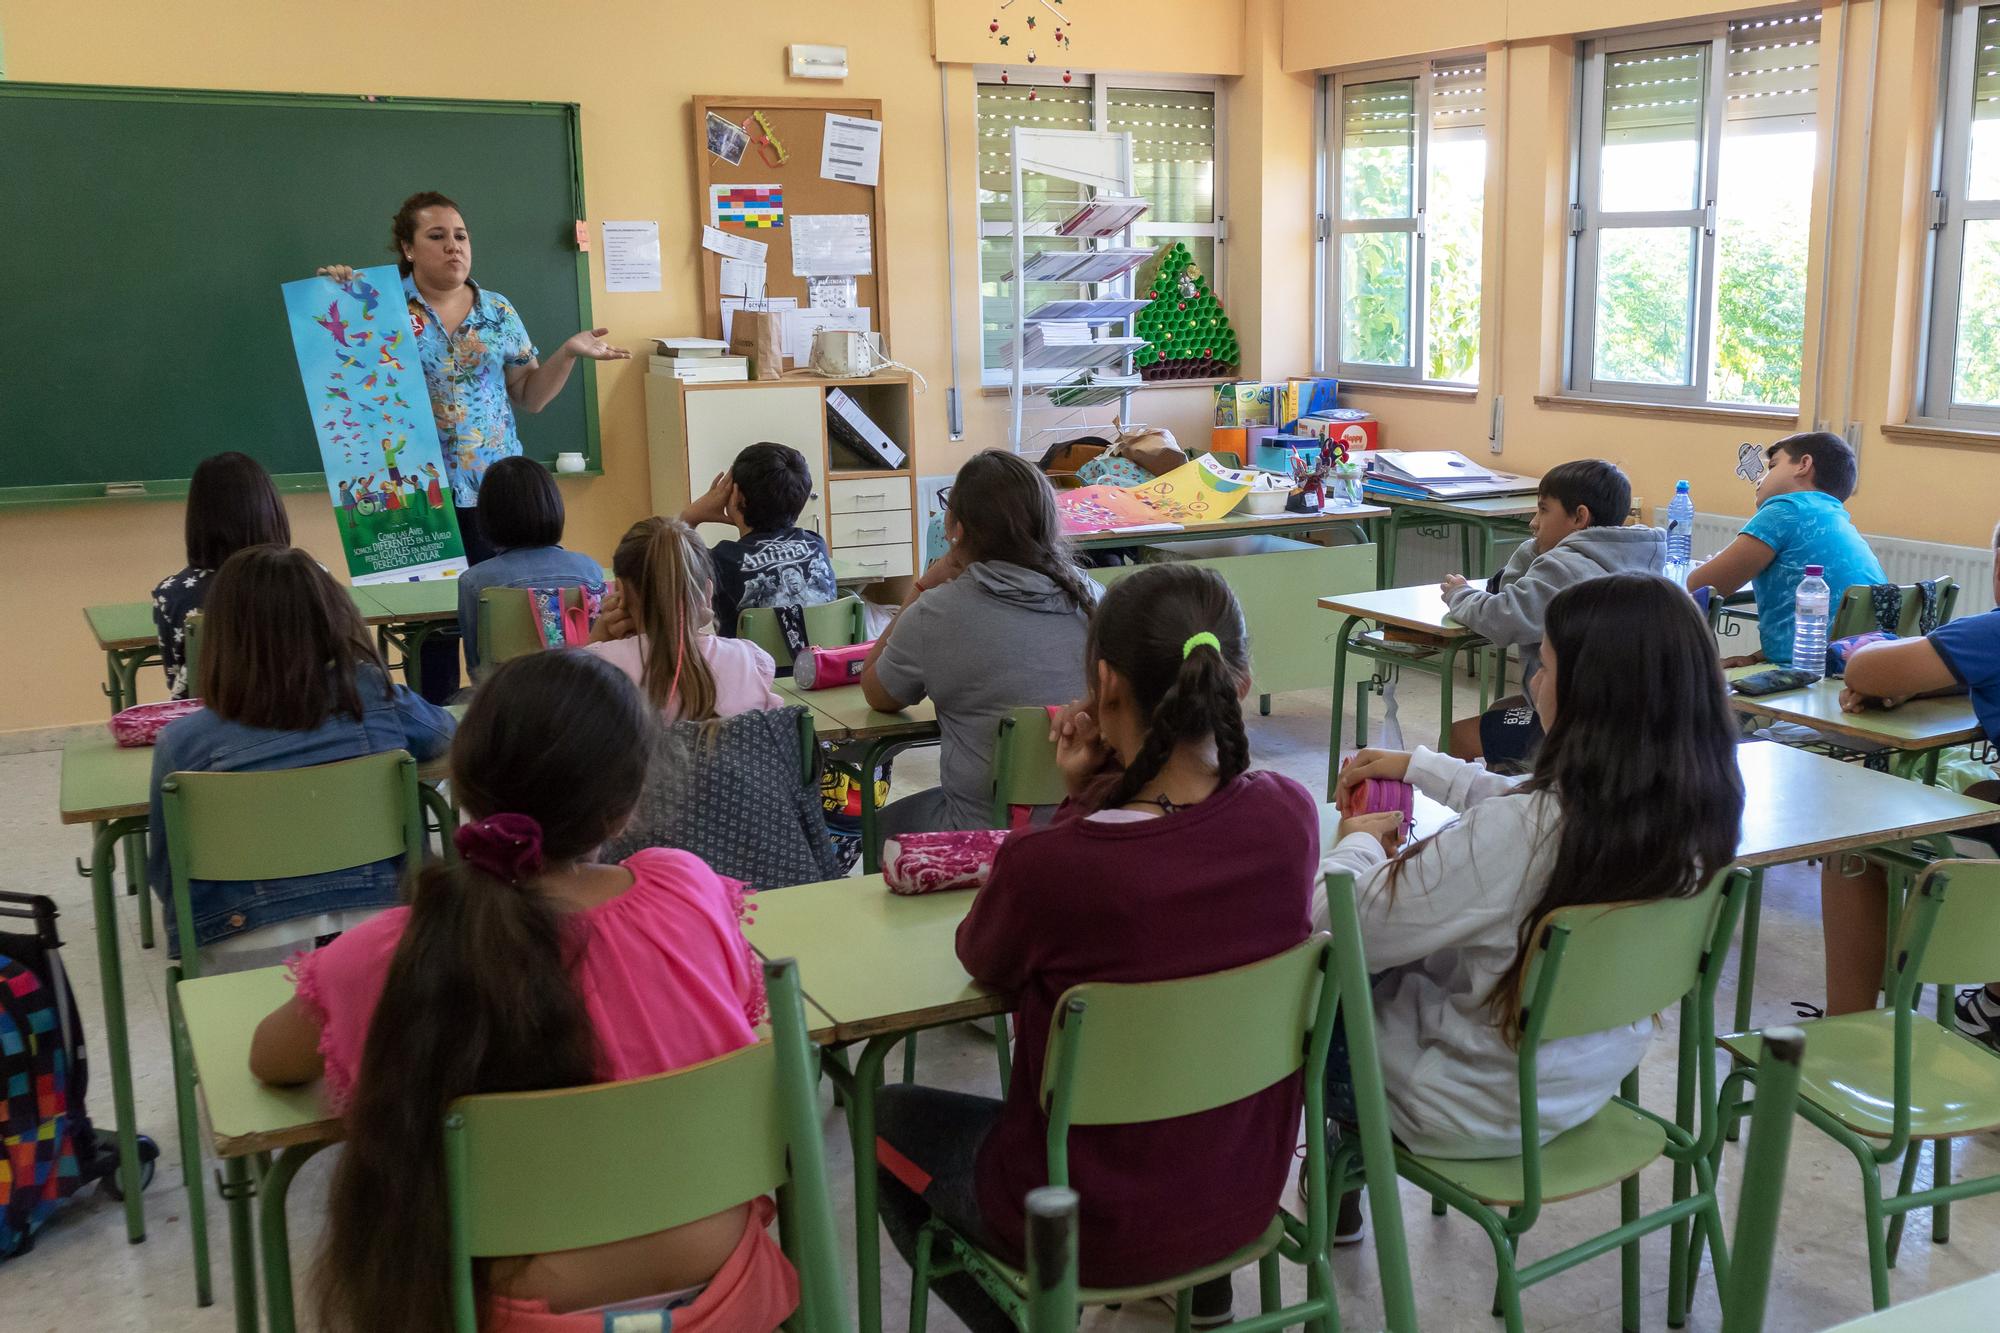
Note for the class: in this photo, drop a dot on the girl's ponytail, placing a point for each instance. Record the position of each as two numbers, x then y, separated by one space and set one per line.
670 573
1176 634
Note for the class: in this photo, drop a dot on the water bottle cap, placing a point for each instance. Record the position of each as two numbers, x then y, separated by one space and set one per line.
1680 486
1814 571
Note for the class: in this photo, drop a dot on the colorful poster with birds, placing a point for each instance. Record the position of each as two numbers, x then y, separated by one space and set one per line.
380 449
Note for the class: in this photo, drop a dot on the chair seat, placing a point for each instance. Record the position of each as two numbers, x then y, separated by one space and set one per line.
1613 1144
1849 1073
1244 1257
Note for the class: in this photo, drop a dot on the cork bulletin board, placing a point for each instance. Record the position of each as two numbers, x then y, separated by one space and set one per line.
799 125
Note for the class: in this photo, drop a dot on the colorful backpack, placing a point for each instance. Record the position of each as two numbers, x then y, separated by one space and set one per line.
565 626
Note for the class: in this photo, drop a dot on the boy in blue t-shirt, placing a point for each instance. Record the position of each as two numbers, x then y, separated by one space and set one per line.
1961 655
1801 520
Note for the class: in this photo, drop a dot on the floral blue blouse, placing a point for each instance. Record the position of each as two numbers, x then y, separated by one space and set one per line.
466 374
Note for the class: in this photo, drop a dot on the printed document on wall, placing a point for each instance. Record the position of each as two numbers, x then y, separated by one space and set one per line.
851 150
631 256
832 245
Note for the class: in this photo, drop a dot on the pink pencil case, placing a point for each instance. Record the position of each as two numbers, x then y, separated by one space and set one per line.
825 668
1377 795
934 862
141 724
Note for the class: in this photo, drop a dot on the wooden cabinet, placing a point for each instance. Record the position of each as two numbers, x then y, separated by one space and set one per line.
866 512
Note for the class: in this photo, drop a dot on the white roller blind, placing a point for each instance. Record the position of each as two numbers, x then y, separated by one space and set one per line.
1173 148
1773 77
1458 96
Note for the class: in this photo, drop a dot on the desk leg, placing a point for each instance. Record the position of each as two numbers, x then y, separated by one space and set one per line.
276 1244
136 886
861 1088
104 906
1385 560
1339 701
237 1188
1444 695
1746 979
114 681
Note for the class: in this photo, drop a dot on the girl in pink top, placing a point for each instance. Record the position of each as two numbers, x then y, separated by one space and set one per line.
525 964
659 629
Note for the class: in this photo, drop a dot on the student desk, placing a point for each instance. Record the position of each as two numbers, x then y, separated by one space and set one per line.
1420 609
842 714
1966 1308
1358 519
110 788
1492 517
127 637
1918 730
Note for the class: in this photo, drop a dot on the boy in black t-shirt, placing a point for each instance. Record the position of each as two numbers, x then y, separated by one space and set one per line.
773 563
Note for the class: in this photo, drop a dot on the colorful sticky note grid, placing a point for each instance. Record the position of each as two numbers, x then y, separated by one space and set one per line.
750 206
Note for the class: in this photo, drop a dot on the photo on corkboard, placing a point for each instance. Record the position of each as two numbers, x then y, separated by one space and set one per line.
725 140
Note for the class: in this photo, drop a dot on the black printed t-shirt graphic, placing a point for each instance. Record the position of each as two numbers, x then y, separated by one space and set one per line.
785 569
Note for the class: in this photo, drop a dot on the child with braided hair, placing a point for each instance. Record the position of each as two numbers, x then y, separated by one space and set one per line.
1129 883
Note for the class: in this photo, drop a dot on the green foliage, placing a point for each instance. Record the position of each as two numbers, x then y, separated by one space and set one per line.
1376 305
1976 376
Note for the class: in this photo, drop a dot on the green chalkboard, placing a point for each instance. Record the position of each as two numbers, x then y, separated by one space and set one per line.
144 234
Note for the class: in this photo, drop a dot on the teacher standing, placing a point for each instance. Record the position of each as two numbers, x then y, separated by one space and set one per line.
480 367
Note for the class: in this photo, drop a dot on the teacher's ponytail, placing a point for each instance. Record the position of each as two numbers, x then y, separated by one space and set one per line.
403 226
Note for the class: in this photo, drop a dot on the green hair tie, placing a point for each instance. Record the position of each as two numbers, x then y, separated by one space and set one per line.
1197 640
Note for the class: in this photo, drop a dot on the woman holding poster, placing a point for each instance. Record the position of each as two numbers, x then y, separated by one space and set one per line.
479 365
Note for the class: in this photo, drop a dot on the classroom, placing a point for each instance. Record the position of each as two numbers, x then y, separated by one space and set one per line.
1041 664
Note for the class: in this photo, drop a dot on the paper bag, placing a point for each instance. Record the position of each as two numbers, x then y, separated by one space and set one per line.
759 335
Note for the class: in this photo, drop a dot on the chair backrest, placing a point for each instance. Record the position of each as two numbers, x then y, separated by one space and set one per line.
507 623
1123 1052
191 654
835 624
1952 937
1856 613
1621 962
647 1154
287 822
1024 764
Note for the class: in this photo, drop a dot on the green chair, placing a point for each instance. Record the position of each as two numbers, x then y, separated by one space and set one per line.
835 624
1598 967
647 1154
1762 1192
1051 1241
1117 1054
191 654
508 626
1857 610
1024 765
1882 1082
254 826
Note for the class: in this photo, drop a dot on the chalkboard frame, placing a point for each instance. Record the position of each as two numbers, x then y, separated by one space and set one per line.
315 481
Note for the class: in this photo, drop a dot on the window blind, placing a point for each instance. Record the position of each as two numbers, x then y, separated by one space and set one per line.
1173 149
1772 81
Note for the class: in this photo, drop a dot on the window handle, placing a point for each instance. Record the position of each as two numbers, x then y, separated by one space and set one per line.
1708 217
1576 219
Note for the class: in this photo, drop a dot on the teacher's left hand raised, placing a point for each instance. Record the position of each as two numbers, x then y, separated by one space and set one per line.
591 346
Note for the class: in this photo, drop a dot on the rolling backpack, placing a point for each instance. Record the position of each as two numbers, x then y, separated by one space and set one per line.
48 1149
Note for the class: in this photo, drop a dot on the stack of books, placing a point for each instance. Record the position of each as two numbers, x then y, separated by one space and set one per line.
698 361
1436 474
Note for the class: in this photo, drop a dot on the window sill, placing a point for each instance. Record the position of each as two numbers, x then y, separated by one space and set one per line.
1920 432
1003 390
1462 393
1746 416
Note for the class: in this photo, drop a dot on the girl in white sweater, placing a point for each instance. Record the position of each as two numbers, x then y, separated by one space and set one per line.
1635 795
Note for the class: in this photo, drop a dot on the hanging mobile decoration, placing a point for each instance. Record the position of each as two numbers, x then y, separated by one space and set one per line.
1031 28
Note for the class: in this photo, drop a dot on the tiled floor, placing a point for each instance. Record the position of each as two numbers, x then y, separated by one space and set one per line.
82 1273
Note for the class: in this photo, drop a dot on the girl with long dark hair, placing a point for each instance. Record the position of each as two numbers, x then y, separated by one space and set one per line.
231 504
996 623
1635 796
526 964
1131 882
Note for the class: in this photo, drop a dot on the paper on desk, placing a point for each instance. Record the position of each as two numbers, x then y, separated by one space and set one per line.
801 325
732 304
831 245
851 150
740 277
733 247
830 293
631 256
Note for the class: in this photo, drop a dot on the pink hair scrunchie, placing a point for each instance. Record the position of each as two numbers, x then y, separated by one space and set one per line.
506 847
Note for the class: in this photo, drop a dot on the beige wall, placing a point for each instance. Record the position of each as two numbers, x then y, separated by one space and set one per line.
1320 35
1189 37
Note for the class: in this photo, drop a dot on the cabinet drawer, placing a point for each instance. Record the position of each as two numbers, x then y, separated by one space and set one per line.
867 494
871 529
873 562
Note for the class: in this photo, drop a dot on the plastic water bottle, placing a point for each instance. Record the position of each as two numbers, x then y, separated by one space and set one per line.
1809 628
1680 534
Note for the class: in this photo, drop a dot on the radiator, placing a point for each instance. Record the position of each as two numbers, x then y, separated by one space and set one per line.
1902 560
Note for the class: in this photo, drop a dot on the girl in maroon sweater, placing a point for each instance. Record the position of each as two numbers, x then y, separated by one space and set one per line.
1170 859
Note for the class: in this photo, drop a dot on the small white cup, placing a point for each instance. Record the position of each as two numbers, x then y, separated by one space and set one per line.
569 462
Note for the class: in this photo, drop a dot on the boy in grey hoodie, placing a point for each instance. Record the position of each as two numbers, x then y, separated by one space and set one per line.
1578 533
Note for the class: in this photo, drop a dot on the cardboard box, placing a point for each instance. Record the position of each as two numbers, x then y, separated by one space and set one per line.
1243 403
1357 429
1228 440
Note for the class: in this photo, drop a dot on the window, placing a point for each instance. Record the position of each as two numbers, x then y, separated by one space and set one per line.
1175 167
1408 191
1691 213
1962 356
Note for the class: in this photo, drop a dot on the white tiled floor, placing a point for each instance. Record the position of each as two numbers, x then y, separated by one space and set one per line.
82 1273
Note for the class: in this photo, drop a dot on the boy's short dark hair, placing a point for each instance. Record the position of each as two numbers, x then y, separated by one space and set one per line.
1592 482
519 505
776 483
1834 468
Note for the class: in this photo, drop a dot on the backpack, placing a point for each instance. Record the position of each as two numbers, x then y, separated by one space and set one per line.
48 1149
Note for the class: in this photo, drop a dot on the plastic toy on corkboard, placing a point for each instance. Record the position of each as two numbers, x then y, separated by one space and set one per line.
1187 335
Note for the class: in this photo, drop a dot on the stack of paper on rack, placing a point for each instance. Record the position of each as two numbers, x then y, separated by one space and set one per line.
698 361
1089 312
1437 474
1066 344
1082 265
847 423
1106 215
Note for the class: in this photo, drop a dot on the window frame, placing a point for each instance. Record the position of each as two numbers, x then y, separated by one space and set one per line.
1332 137
1950 208
1100 84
